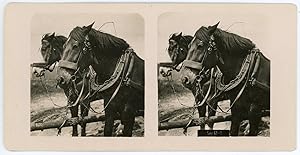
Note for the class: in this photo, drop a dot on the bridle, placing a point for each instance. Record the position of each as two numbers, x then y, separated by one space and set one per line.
52 48
87 48
77 70
179 50
190 64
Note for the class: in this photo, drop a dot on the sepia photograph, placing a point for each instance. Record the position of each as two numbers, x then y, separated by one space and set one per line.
150 77
213 75
87 75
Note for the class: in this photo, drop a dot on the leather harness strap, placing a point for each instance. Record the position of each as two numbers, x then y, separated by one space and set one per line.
248 70
192 64
111 81
67 64
238 79
122 71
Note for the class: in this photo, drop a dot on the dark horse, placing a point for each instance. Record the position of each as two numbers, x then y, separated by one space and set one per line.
178 50
52 51
120 73
246 73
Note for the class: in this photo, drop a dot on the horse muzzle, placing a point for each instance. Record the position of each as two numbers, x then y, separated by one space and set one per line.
187 78
64 77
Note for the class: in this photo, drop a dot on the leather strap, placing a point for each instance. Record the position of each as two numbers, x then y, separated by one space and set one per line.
113 79
238 79
67 64
192 64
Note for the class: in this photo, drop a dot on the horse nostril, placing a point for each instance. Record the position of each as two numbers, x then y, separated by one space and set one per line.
185 80
60 80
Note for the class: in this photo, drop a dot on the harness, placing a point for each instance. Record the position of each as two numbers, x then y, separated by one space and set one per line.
121 75
247 74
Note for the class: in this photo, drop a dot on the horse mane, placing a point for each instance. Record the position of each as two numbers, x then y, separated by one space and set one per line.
108 41
229 42
104 41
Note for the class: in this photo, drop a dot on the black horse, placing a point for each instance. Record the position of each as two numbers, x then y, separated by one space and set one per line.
246 73
178 50
119 70
52 51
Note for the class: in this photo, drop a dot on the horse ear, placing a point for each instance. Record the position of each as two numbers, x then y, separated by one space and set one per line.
180 34
88 28
51 36
212 29
173 35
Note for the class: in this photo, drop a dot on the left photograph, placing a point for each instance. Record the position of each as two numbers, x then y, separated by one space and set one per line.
87 75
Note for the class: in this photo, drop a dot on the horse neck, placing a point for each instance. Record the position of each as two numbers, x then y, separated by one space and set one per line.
106 66
232 64
233 58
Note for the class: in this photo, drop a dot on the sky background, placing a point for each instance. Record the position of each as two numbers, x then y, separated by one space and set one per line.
129 27
250 25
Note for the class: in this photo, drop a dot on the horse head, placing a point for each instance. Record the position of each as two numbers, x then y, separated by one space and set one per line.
49 51
202 55
76 57
178 47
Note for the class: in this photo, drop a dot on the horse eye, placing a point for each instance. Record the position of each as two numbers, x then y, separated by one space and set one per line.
200 43
75 46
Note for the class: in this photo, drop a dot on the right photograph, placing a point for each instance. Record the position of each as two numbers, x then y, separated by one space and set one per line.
213 74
